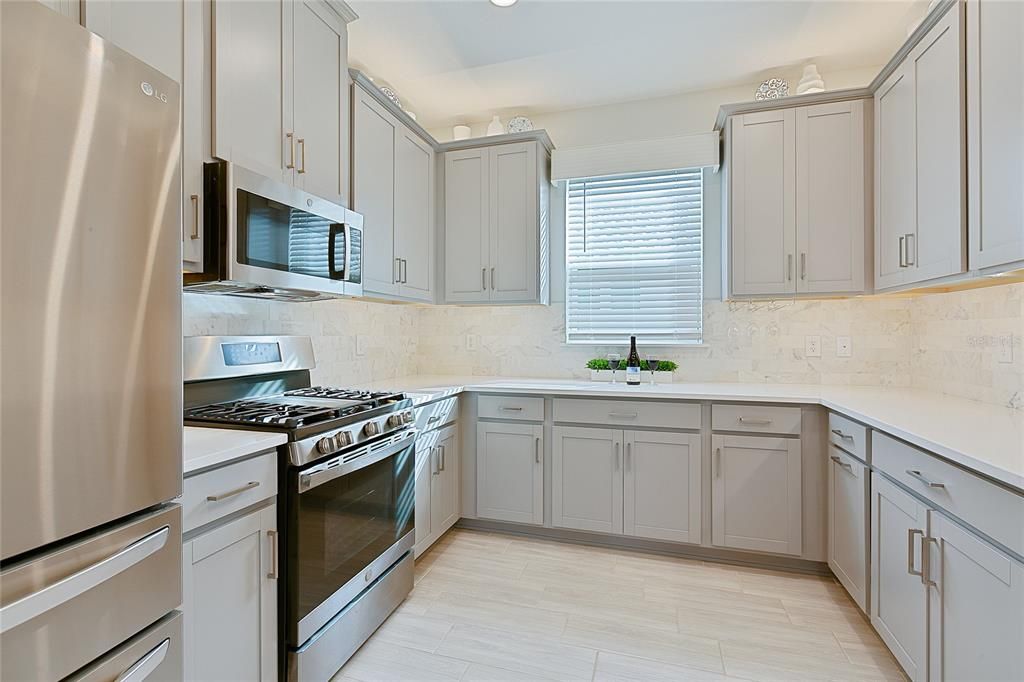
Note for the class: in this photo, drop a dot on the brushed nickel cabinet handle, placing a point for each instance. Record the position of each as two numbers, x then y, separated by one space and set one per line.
629 456
902 251
272 536
755 421
618 455
844 436
926 562
396 274
914 473
911 532
291 150
483 278
433 463
716 463
845 465
195 216
405 271
435 418
302 155
623 415
492 279
231 493
511 409
803 266
536 450
789 267
444 458
910 249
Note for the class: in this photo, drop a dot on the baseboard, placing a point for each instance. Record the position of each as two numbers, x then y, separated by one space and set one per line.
722 556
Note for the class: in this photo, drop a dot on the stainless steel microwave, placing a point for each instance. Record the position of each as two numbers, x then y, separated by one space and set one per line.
265 239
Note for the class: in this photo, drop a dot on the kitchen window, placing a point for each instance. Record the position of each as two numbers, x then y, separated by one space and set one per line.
634 258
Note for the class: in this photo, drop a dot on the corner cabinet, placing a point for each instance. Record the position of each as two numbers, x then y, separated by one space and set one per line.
797 200
496 216
281 97
393 184
510 472
919 161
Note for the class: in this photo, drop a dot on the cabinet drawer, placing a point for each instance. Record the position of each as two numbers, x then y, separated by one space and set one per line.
234 487
848 435
756 419
436 415
511 407
627 413
992 509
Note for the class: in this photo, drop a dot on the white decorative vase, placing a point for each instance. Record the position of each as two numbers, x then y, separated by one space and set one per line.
811 81
495 127
460 133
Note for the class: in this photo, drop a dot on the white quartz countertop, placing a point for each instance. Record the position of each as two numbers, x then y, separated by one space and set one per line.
206 447
988 439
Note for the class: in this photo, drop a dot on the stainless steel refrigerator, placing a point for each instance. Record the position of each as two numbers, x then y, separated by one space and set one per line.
90 356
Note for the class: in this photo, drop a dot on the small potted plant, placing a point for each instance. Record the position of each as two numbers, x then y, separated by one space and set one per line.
601 370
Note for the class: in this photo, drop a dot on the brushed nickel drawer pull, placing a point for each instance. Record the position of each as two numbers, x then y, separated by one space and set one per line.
536 450
272 536
291 147
302 155
231 493
716 464
845 465
483 278
914 473
623 415
755 421
844 436
435 418
902 252
511 409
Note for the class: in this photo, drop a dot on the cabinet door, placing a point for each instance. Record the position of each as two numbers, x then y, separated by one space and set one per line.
414 210
148 29
466 233
513 222
995 132
69 8
195 129
252 111
373 190
756 493
762 185
847 523
319 70
937 248
426 471
230 600
510 472
830 198
586 479
976 619
444 490
661 496
895 176
898 596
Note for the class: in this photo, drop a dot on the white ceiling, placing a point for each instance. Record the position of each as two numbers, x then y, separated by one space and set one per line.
461 60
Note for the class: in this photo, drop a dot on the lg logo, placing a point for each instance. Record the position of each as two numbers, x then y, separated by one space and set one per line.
149 91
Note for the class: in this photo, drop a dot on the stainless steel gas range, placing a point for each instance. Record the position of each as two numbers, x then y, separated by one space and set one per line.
346 486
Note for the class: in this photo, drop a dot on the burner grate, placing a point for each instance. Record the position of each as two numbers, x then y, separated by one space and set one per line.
270 414
341 394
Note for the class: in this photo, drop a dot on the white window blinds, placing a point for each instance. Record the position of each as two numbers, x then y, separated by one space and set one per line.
633 258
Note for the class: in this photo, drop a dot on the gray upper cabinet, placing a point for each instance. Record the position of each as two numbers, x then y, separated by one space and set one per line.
920 170
995 132
393 187
496 223
797 201
280 92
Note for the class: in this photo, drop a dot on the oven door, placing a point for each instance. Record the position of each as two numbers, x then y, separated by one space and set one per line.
350 518
284 238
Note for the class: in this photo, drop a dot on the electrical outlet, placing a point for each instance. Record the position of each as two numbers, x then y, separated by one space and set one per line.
1004 348
844 347
472 341
812 346
360 344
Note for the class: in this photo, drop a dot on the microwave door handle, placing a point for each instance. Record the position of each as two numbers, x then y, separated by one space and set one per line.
332 255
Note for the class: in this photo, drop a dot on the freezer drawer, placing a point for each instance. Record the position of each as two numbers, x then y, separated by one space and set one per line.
64 609
155 655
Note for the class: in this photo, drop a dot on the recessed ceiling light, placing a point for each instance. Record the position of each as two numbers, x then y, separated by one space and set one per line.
503 3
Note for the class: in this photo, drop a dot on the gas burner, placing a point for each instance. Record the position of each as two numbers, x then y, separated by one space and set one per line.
271 414
340 393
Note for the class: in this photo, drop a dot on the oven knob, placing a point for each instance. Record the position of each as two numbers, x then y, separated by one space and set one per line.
399 419
371 428
343 438
325 446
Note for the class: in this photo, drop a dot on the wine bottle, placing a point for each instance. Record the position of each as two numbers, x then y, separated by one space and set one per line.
633 364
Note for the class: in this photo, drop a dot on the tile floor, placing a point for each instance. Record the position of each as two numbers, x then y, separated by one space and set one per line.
498 607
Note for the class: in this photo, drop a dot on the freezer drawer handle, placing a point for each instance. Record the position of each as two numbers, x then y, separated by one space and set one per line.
147 664
25 609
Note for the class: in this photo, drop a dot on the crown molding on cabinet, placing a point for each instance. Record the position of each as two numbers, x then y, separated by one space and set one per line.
341 8
361 79
507 138
829 96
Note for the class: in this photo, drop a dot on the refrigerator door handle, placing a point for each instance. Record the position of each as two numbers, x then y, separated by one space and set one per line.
50 597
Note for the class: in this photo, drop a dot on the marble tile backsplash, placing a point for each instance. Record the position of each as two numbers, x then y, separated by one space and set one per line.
946 342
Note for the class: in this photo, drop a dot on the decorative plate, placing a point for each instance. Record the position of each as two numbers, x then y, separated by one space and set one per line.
773 88
391 95
519 124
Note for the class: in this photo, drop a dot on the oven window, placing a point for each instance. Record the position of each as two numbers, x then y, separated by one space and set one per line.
344 524
275 236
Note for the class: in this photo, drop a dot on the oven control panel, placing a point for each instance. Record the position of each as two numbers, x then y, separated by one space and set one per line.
315 447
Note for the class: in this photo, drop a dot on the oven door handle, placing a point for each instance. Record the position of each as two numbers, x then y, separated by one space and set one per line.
324 473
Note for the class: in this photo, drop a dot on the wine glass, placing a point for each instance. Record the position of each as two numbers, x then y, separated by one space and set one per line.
613 362
652 364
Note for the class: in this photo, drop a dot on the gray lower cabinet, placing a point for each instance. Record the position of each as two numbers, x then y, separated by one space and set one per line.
639 483
848 495
230 590
756 494
437 485
899 524
510 472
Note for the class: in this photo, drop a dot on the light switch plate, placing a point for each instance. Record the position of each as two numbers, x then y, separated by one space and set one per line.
472 341
360 344
812 346
844 347
1004 348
